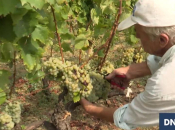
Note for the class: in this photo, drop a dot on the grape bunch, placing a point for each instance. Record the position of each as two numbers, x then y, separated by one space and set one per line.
101 87
107 68
54 66
6 122
14 110
79 82
132 55
75 79
139 56
127 56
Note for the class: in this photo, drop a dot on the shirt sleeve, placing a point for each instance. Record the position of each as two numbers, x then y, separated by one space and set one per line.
153 63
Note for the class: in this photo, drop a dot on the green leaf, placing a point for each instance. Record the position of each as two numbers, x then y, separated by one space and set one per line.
57 8
8 6
35 76
95 15
29 60
76 93
29 46
30 52
26 25
2 96
40 33
81 41
52 2
18 14
60 1
76 98
34 3
104 4
67 36
66 47
124 16
101 53
133 39
7 51
65 12
4 78
6 29
81 19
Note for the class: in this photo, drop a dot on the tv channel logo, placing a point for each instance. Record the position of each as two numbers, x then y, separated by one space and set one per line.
166 121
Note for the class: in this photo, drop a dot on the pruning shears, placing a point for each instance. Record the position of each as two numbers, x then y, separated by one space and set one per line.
119 85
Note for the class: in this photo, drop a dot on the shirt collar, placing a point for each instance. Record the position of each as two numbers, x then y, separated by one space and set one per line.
167 55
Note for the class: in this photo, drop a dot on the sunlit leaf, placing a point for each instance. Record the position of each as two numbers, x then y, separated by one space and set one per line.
4 78
8 6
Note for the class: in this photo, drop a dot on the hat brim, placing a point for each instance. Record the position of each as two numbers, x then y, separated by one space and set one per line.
126 24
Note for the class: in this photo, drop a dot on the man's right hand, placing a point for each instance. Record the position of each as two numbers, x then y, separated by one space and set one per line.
130 72
118 78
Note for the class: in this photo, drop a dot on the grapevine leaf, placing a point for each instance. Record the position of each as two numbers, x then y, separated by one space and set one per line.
65 11
30 52
57 8
29 60
76 93
7 51
104 4
101 53
40 33
62 28
26 25
67 36
8 6
76 98
95 13
36 76
124 16
29 46
133 39
34 3
18 14
60 1
52 2
66 47
6 29
4 78
81 19
2 96
81 41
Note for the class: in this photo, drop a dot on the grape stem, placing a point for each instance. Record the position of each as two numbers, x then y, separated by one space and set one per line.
114 28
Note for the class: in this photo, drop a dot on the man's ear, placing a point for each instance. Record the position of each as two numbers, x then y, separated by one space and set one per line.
163 39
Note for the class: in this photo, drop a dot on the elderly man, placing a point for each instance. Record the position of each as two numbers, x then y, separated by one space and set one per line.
154 22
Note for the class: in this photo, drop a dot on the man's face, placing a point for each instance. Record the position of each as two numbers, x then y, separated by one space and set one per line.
149 46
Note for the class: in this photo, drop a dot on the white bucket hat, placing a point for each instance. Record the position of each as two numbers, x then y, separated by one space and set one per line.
151 13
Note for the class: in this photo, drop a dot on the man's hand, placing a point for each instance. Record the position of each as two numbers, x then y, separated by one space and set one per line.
118 78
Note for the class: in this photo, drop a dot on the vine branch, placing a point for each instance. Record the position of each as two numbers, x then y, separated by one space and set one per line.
113 31
108 42
58 36
14 75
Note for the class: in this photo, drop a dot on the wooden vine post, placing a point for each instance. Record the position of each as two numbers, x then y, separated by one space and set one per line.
57 34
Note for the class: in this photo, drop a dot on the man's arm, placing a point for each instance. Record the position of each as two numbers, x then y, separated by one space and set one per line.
97 111
131 72
138 70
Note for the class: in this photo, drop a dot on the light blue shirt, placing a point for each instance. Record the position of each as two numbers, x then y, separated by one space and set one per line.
158 97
